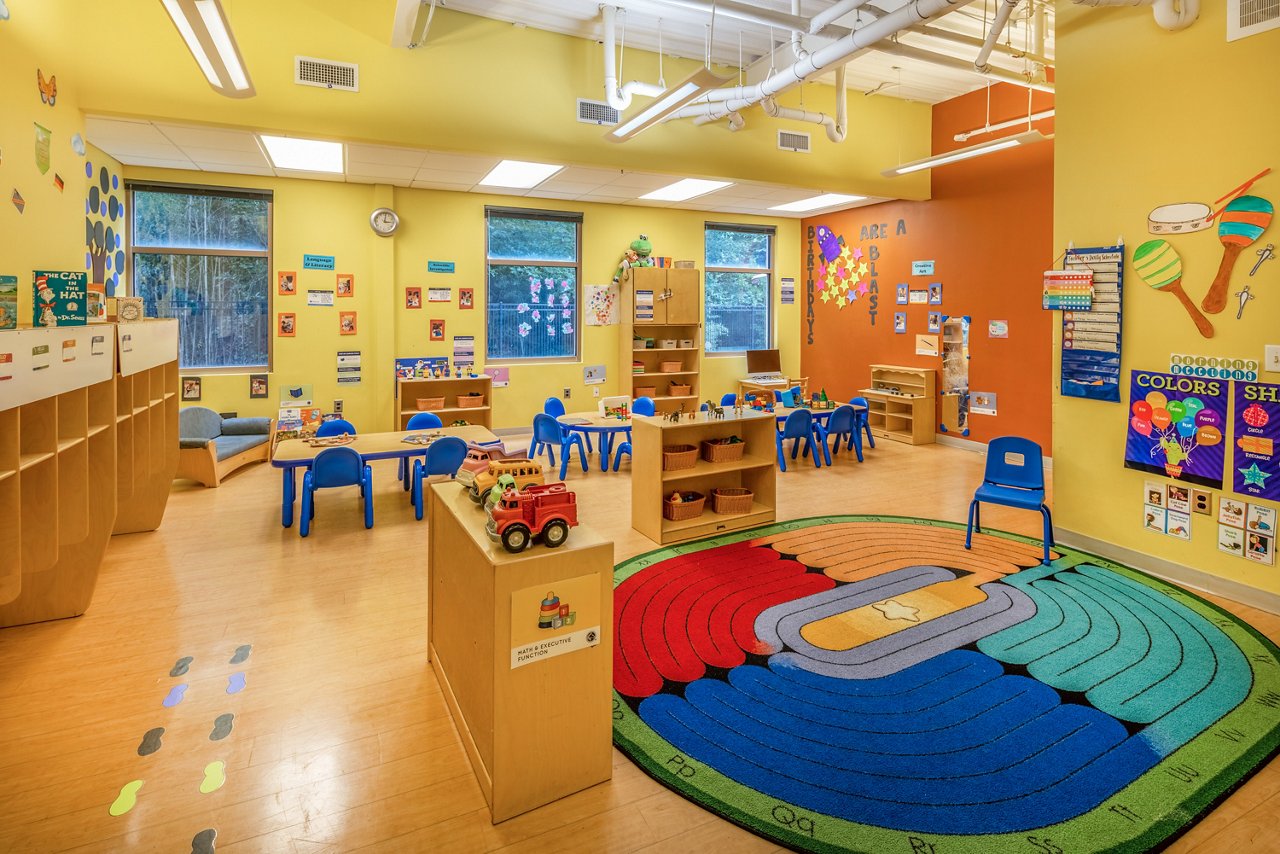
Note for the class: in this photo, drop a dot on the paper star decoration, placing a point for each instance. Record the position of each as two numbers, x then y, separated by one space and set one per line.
851 295
897 611
857 254
863 269
1254 476
863 287
826 296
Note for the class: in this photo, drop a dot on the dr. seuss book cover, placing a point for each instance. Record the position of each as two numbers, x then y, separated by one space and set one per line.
8 302
60 298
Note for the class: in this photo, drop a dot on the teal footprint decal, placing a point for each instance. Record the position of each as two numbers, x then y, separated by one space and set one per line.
242 654
176 693
215 774
150 741
221 727
126 799
236 683
202 842
181 665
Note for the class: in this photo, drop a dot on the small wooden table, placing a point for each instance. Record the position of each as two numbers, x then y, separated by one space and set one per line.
745 386
292 454
605 427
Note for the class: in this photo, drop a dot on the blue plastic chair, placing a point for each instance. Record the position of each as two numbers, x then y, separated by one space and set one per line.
444 456
420 421
799 426
554 407
728 399
337 427
1014 478
841 423
548 433
335 467
639 406
864 419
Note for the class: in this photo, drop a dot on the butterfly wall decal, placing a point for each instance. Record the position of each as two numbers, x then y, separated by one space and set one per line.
48 88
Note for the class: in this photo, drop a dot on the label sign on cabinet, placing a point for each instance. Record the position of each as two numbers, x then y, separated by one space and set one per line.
554 619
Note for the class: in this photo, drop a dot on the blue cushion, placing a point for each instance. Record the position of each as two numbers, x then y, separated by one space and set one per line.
1027 499
199 422
245 426
229 446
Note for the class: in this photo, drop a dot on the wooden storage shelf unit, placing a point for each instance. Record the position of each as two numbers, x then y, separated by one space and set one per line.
408 392
650 484
146 422
676 316
905 415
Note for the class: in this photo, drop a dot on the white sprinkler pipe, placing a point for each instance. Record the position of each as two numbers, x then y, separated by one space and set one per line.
829 15
1167 15
837 127
619 97
993 35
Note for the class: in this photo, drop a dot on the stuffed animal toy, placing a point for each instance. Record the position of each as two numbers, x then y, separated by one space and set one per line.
637 255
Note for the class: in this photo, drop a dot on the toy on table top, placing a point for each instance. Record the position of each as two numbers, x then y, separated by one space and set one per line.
461 422
621 412
548 510
821 401
478 458
714 410
637 255
673 416
522 472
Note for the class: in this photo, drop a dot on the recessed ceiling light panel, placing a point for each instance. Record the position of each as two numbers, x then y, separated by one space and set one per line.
519 174
682 191
826 200
303 155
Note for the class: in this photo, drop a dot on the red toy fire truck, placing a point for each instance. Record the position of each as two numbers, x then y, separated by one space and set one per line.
547 509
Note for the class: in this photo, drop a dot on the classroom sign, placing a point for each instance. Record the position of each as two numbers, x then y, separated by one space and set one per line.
1175 427
1255 462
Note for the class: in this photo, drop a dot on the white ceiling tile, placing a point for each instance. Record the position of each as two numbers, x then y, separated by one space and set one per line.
236 170
187 136
161 162
643 181
409 157
227 157
389 171
440 185
556 186
586 175
121 131
365 179
460 162
450 176
550 194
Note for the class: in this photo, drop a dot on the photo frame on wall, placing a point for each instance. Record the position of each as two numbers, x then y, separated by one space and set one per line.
437 329
346 323
413 297
900 322
286 324
935 321
190 388
466 298
287 282
257 386
901 294
935 293
346 285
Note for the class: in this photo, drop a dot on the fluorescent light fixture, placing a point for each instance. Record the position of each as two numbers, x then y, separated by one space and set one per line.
303 155
203 26
665 104
826 200
519 174
978 150
682 191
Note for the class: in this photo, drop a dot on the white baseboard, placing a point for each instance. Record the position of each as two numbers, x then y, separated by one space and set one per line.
1170 571
975 447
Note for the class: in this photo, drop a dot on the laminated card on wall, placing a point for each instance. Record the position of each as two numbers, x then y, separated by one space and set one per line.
1091 337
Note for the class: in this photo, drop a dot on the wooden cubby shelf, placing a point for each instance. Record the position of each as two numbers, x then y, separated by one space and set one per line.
676 316
408 391
906 415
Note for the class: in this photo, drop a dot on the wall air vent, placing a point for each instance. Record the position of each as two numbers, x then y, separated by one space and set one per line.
596 113
789 140
325 73
1250 17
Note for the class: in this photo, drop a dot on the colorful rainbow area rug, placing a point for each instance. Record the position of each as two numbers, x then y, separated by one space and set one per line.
863 683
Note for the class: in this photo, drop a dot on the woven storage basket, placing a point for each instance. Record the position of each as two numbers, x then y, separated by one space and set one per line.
722 452
470 401
646 390
678 389
676 457
688 507
426 404
670 367
731 500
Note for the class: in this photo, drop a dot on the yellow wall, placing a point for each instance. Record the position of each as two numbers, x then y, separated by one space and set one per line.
1146 118
330 218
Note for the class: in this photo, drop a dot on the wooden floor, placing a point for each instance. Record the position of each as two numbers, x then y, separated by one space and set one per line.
341 740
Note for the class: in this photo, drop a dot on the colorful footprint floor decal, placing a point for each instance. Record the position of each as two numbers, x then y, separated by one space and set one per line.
126 799
236 683
181 666
215 775
242 654
176 693
150 741
221 727
202 842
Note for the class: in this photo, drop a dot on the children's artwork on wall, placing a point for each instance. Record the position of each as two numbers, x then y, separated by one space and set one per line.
1242 222
346 323
287 282
935 321
437 329
1158 264
900 294
190 388
104 227
983 403
58 183
1091 338
918 296
842 272
1181 218
935 293
18 202
926 345
900 322
346 285
1175 428
43 141
466 298
1255 458
997 329
286 325
257 386
48 88
1217 367
413 297
602 305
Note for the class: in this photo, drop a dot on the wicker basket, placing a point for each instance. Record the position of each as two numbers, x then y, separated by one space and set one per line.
723 452
676 457
670 367
646 391
427 404
678 389
731 500
470 401
688 507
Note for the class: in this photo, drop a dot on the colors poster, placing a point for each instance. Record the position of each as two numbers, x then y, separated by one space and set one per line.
1175 427
1254 462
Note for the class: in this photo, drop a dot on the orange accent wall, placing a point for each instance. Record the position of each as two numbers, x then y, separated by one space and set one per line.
989 230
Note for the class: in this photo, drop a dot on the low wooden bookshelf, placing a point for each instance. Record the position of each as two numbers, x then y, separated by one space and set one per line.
409 391
146 422
901 403
672 313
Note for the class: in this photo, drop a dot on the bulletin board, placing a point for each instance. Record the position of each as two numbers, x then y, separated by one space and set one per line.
1091 339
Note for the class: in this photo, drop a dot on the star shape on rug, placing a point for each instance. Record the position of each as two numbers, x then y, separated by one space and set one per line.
1254 476
893 610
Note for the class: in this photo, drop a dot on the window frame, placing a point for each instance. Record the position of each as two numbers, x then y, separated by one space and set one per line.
770 315
210 190
546 216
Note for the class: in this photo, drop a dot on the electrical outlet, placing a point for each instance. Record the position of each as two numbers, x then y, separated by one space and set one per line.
1272 362
1202 501
566 393
595 392
337 407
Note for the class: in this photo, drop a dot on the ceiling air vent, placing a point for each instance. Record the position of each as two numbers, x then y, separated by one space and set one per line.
596 113
326 74
1250 17
789 140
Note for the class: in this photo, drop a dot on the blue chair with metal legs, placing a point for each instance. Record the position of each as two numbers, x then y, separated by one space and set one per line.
336 427
548 433
331 468
639 406
799 427
444 456
843 424
864 419
1014 478
420 421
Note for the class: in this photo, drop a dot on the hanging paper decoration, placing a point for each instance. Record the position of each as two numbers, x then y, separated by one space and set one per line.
524 329
537 315
567 328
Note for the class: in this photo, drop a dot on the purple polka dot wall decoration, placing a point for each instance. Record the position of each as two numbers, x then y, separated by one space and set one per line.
118 240
109 262
88 260
115 182
102 209
88 169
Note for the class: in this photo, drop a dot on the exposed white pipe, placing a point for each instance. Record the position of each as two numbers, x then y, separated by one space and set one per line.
1022 120
1168 15
829 15
836 127
1039 23
909 52
797 48
993 35
619 97
1036 56
736 122
745 12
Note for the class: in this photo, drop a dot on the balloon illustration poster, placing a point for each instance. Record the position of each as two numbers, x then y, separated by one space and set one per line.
1255 459
1175 427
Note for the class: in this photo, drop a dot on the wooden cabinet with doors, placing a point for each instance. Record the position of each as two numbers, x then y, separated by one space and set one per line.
667 313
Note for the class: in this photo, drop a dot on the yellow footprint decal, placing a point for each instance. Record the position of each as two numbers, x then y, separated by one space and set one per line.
126 799
215 774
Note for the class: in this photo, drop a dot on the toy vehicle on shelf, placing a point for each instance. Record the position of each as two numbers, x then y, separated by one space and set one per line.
478 459
548 510
524 473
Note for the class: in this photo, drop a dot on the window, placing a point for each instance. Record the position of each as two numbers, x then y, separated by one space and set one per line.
739 280
203 255
533 261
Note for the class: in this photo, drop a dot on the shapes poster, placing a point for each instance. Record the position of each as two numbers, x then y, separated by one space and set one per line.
1175 427
1255 463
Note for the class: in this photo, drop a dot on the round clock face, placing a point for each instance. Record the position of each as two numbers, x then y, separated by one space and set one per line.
130 311
384 221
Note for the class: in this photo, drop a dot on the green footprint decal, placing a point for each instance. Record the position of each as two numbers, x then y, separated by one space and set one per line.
221 727
202 842
181 665
215 775
242 654
126 799
150 741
